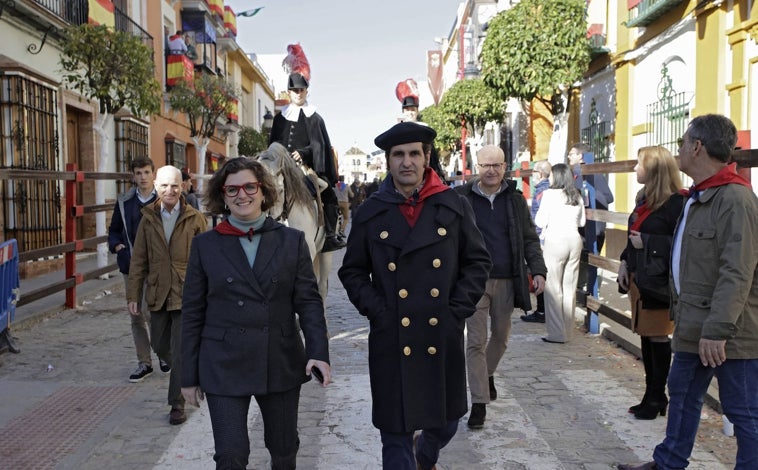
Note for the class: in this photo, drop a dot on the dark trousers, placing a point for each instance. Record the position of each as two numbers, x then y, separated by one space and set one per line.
166 339
229 422
397 448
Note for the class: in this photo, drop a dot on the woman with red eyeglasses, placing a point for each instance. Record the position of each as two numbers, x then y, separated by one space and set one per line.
249 290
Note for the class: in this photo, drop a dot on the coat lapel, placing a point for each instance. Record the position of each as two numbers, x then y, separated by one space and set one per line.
266 252
235 255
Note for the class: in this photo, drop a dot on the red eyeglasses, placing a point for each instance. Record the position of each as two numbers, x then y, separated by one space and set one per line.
232 190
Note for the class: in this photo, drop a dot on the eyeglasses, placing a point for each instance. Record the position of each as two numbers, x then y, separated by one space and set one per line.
490 166
232 190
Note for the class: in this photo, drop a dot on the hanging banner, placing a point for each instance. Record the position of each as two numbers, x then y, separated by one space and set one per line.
179 67
230 21
217 7
101 13
434 74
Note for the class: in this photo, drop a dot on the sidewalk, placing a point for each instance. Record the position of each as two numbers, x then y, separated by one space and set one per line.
66 404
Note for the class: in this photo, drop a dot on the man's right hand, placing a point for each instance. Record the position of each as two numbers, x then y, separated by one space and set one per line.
133 308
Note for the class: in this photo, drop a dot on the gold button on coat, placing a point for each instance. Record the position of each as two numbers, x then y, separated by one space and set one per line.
441 231
436 263
435 292
384 234
405 321
407 350
432 350
433 321
403 293
392 266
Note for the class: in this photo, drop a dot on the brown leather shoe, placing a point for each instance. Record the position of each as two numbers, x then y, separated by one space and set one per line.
643 466
177 416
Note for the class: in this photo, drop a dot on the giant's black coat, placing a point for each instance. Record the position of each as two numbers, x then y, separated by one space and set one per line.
309 137
417 286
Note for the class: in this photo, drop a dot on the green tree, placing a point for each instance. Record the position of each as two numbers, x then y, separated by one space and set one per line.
251 141
537 49
474 103
116 69
448 134
205 100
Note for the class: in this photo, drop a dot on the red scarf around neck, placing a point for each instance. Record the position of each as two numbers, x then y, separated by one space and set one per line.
411 207
727 175
226 228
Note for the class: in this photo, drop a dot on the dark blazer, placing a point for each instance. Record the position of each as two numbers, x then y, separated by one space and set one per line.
417 286
657 235
240 332
127 215
524 241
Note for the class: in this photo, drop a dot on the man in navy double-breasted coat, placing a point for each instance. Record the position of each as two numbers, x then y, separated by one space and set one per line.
415 266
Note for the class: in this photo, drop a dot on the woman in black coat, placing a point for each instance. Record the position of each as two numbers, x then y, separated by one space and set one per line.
644 270
249 290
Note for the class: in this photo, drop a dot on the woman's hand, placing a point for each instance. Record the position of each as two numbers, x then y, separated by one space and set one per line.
636 238
623 276
323 367
193 395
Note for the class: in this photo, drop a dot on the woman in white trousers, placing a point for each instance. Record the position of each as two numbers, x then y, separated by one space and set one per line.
560 215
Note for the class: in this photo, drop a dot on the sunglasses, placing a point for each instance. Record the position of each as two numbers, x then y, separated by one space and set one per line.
232 190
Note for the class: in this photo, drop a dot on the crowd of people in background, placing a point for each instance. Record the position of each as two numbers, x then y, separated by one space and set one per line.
439 314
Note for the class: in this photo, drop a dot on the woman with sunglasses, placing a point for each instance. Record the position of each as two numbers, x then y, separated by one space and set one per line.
249 290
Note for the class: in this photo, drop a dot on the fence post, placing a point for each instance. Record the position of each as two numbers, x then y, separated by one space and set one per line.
73 212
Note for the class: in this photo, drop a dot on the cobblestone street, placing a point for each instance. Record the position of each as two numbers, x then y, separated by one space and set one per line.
67 404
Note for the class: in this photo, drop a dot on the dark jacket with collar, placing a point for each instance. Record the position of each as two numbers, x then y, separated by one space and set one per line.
522 237
127 215
241 325
416 286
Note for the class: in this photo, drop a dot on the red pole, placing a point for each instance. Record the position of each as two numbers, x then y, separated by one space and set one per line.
73 212
463 149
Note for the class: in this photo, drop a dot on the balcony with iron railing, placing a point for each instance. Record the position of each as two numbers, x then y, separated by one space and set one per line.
76 12
644 12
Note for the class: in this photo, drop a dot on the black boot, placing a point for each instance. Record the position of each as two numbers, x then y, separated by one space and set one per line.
657 400
647 358
331 242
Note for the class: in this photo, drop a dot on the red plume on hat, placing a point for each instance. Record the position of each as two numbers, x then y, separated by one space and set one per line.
296 62
406 88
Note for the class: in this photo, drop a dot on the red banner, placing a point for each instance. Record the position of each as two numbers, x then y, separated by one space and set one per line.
434 74
632 3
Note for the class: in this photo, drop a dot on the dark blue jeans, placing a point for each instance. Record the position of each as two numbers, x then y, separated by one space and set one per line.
738 392
397 448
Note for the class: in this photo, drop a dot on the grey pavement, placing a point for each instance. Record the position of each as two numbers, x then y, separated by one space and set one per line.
65 403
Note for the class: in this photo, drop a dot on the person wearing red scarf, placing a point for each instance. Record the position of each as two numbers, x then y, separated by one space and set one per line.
643 271
415 266
714 301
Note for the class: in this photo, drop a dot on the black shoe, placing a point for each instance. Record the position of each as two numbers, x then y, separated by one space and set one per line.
165 366
551 341
534 317
177 416
332 244
143 370
652 409
477 415
493 390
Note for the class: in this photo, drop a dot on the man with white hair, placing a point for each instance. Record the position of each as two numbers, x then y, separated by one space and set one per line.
161 251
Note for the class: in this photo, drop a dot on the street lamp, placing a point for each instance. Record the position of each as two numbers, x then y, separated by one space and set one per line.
268 120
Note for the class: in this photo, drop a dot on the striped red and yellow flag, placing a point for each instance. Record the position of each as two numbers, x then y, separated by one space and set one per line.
179 67
217 7
230 20
101 12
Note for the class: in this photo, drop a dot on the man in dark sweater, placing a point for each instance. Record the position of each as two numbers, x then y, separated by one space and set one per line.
502 216
126 218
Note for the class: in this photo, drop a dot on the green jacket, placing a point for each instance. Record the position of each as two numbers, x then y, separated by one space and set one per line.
158 266
718 296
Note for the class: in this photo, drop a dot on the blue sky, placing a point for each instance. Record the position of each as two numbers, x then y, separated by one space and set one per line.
358 51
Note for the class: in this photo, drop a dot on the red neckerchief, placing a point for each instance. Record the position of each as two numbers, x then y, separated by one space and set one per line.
226 228
727 175
641 211
411 207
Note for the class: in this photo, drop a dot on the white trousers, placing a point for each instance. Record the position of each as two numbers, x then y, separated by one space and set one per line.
562 260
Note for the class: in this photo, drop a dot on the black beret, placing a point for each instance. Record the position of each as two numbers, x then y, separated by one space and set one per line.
405 133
